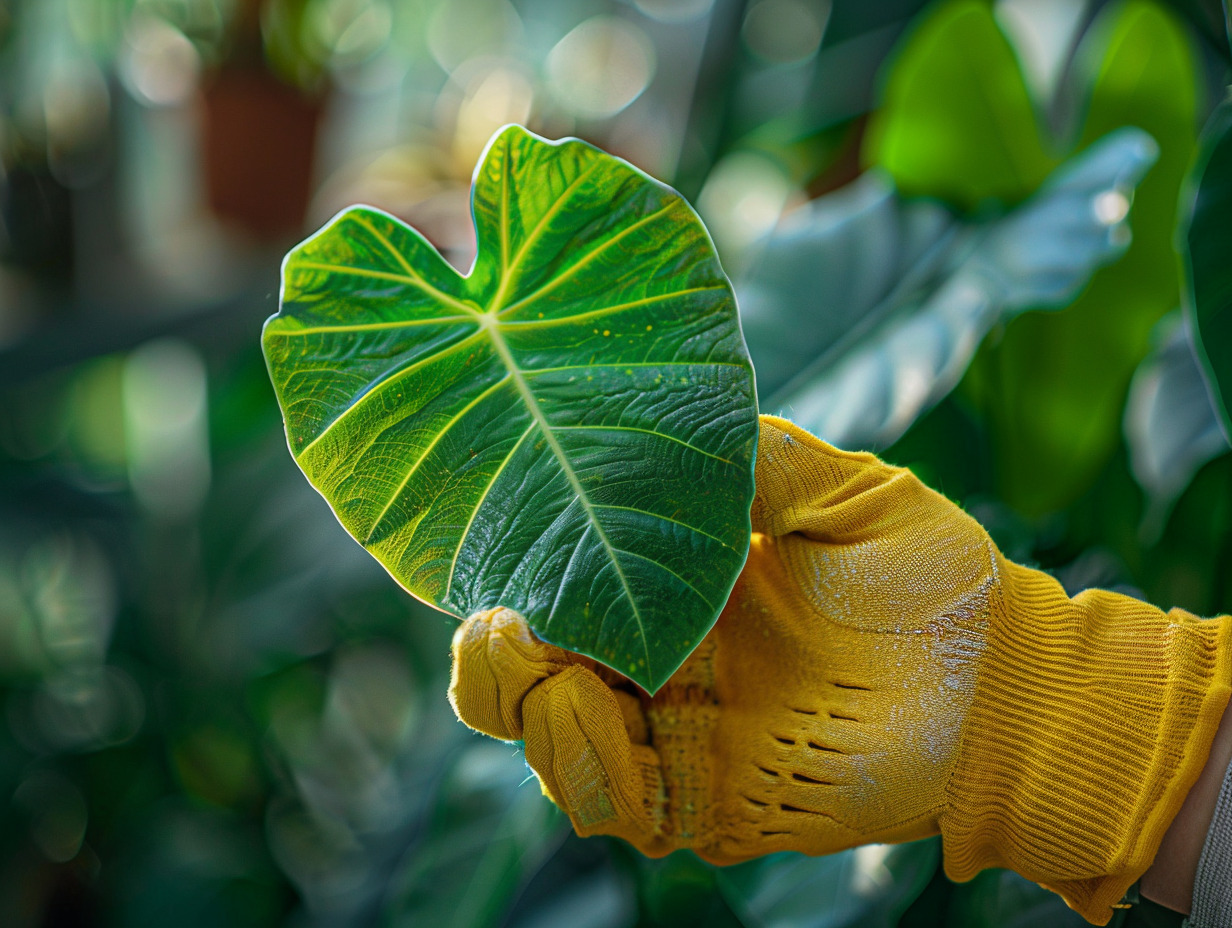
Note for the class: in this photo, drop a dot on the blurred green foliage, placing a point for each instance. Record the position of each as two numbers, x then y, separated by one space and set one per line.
910 292
1061 380
216 708
1208 273
956 121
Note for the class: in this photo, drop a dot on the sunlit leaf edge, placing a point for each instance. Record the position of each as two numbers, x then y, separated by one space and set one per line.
650 678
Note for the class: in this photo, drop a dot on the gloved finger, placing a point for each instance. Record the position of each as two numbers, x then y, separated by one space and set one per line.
634 715
577 743
496 661
807 486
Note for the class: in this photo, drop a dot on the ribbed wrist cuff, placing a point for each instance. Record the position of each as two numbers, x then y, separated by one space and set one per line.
1092 719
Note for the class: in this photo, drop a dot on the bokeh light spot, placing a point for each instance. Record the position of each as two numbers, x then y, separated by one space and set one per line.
493 98
785 31
160 66
463 29
601 66
75 103
1110 207
57 813
742 199
165 427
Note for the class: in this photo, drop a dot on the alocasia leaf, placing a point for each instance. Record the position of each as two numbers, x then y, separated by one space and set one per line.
956 120
1003 899
863 310
1208 259
1171 426
568 430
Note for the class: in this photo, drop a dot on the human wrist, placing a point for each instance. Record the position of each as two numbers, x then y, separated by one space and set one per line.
1090 724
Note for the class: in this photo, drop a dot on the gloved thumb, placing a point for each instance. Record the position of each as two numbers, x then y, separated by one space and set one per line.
806 485
496 662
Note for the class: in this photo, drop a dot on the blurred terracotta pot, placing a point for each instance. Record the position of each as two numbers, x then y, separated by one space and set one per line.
259 140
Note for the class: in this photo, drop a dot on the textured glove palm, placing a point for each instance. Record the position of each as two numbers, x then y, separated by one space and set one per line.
880 673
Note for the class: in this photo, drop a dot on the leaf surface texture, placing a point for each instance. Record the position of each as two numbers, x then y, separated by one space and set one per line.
568 430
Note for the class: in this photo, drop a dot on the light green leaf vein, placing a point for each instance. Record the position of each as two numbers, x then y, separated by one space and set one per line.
663 518
506 183
367 326
535 324
441 433
346 271
630 428
623 364
587 258
383 384
453 564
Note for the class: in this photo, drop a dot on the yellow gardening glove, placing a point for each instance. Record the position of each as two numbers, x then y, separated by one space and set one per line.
880 673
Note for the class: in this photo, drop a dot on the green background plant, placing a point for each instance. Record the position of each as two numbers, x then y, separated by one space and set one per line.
1208 275
219 710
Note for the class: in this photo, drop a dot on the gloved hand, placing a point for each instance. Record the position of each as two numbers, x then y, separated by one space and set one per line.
880 673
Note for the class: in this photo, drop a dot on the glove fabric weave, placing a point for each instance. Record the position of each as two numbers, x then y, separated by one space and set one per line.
880 673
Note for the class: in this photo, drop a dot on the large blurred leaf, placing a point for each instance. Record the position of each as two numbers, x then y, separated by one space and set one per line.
488 832
567 431
956 121
681 889
808 286
869 887
1003 899
866 311
1171 426
601 897
1208 259
1054 387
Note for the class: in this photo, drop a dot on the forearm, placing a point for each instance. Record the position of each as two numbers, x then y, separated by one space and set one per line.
1170 879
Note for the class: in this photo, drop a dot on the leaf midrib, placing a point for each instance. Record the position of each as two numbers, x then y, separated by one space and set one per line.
490 322
532 406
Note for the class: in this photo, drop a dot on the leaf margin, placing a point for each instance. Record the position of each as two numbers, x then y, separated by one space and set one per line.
477 313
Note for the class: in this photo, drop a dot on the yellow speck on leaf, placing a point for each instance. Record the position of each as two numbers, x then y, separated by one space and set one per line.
607 332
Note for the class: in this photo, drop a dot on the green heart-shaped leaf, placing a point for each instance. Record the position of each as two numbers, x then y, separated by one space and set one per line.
568 430
956 120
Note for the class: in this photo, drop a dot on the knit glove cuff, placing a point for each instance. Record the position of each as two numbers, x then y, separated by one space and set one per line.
1091 720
